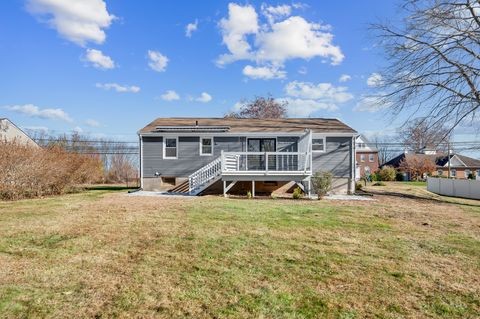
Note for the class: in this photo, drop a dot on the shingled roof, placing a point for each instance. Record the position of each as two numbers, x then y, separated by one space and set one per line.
439 160
235 125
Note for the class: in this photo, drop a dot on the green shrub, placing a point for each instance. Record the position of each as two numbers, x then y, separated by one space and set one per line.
387 174
399 177
379 184
471 176
322 183
249 194
376 177
297 193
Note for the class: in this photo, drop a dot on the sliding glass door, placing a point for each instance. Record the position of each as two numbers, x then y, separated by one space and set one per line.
257 162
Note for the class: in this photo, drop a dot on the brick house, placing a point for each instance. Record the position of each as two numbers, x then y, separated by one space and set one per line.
460 165
366 157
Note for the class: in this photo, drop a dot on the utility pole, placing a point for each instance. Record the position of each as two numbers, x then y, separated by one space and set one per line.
448 146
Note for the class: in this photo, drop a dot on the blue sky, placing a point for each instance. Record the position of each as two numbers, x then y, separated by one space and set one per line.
109 67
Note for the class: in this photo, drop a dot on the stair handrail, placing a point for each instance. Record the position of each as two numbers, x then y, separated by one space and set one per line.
204 174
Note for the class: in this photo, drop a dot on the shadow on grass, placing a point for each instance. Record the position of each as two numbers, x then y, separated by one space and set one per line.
109 188
443 199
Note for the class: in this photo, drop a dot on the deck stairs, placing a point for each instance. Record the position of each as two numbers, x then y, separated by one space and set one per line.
200 180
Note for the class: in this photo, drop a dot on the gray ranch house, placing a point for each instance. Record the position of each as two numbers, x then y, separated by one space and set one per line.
221 155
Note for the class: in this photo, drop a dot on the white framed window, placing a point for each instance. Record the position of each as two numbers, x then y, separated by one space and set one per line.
371 158
453 172
206 146
318 144
170 147
362 157
440 172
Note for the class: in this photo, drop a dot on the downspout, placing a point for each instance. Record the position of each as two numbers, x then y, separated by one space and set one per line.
141 160
352 166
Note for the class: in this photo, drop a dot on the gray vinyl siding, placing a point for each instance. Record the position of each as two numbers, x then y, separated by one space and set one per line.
189 159
336 158
287 144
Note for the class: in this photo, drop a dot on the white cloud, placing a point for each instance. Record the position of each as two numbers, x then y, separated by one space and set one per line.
190 28
77 129
277 42
204 98
263 72
344 78
305 107
374 80
297 38
371 104
170 95
157 61
274 13
92 123
31 110
305 98
302 70
99 60
321 91
117 87
77 21
242 20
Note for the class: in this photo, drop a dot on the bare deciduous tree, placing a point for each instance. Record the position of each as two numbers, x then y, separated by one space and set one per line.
262 108
417 135
386 148
434 61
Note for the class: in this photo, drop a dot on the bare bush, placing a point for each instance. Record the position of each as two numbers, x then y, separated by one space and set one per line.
27 172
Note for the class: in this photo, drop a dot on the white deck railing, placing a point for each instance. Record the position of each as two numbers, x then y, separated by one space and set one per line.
269 163
200 178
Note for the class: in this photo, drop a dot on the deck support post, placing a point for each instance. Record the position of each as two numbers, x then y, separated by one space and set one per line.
253 188
309 185
224 188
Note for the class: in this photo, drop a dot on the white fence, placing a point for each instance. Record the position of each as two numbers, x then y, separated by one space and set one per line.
465 188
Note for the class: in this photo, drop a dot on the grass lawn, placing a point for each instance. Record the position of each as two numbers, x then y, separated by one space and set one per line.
408 254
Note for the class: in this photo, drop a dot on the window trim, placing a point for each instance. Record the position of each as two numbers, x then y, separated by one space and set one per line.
371 157
323 143
165 145
440 172
453 172
201 145
362 158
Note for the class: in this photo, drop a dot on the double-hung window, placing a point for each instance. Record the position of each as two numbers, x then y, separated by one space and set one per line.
206 146
371 158
318 144
170 147
362 157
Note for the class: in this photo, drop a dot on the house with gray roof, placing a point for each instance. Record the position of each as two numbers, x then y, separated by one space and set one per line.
214 155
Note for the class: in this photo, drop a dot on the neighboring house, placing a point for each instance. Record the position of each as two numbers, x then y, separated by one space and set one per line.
10 132
215 155
460 165
366 156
